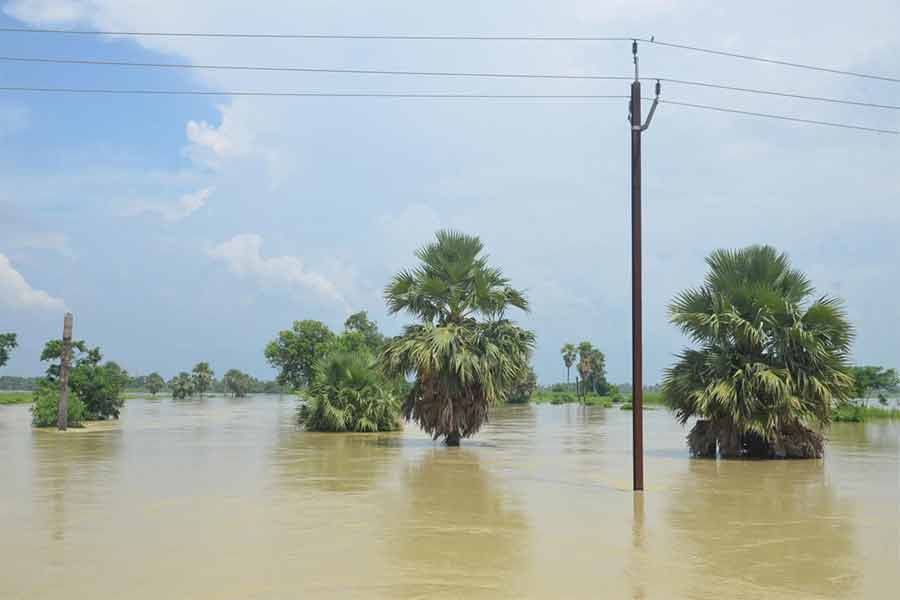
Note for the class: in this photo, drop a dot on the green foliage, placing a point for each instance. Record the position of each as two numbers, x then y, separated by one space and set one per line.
100 388
7 398
769 363
348 394
238 384
569 354
7 344
857 413
523 387
361 335
202 377
154 383
465 355
874 380
9 382
627 406
182 386
596 400
45 410
295 352
615 395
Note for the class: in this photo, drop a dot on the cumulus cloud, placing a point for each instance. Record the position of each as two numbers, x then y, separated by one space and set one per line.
243 257
16 293
187 205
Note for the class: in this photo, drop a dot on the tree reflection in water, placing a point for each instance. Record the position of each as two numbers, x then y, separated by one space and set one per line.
459 532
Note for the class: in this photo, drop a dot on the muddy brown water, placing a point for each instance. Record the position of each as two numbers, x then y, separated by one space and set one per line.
223 498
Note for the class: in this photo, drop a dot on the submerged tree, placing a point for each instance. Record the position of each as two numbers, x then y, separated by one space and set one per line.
348 394
237 383
100 387
874 380
296 351
465 355
182 386
7 344
769 363
155 383
569 354
202 376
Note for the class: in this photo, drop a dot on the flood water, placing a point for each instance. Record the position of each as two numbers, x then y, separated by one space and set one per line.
223 498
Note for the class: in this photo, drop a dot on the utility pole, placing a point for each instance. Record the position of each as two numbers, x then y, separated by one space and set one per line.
637 343
63 416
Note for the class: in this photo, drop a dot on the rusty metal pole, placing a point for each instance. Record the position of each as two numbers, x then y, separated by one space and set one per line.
637 346
63 416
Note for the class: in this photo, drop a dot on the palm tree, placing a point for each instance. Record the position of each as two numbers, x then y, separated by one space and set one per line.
769 364
568 355
347 394
585 363
465 354
202 377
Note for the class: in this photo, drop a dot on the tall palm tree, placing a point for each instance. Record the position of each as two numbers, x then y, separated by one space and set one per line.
769 364
585 363
465 354
568 355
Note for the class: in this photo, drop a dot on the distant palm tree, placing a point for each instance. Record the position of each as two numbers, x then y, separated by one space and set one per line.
585 363
568 355
769 363
464 354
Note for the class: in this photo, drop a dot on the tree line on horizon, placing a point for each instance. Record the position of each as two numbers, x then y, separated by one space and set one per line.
767 367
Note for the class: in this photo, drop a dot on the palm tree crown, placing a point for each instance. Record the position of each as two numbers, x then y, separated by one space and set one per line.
462 364
769 364
453 283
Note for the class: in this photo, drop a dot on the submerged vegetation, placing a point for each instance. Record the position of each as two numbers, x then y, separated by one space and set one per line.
348 394
464 353
769 364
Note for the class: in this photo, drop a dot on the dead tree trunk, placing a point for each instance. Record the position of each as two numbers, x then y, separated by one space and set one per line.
63 416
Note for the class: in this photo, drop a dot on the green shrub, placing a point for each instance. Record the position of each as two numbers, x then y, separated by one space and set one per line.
627 406
45 410
348 395
596 400
564 398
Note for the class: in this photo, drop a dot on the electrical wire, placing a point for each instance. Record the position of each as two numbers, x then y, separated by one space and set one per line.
66 90
734 88
413 95
328 36
117 63
780 117
463 74
773 61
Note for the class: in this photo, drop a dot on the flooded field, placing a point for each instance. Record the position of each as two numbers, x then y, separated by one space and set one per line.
222 498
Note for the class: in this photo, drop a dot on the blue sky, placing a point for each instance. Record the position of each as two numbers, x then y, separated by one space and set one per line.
180 229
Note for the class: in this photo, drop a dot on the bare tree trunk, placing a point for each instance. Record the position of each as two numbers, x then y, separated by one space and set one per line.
452 439
63 416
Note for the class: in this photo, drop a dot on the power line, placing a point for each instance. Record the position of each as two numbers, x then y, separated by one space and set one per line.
780 117
483 38
328 36
63 90
773 61
734 88
312 69
463 74
417 95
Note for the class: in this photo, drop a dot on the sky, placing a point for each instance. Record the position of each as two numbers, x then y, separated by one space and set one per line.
187 228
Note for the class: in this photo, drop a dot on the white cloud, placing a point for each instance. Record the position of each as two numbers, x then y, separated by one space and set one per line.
48 11
54 242
237 138
187 205
16 293
243 257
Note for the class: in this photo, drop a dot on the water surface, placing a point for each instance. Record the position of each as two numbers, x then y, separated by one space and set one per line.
224 498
